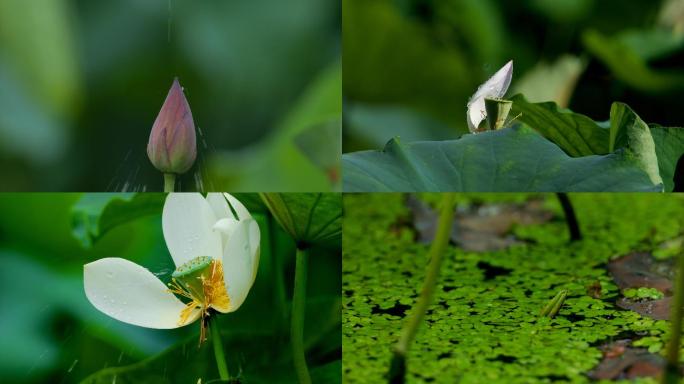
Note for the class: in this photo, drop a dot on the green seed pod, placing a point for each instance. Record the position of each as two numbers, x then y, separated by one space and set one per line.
497 112
191 274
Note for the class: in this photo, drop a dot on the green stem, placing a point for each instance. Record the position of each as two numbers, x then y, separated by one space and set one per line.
169 182
436 256
672 367
570 217
297 321
218 351
278 279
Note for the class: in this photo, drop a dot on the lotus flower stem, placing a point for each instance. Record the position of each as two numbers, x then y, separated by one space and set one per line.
436 256
570 217
671 374
297 321
278 279
169 182
218 351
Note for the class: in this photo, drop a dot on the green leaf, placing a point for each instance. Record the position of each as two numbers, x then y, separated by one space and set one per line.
97 213
322 145
278 164
310 218
669 144
628 131
576 134
627 65
513 159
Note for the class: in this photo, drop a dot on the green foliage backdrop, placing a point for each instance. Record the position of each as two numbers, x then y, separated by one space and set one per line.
82 82
56 335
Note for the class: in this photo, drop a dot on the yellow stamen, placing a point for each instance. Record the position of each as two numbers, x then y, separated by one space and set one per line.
214 292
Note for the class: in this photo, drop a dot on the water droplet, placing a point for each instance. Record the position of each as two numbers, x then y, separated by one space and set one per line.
71 368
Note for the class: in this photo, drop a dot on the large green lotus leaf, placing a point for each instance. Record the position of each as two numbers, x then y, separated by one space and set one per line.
629 63
576 134
97 213
310 218
512 159
629 132
669 144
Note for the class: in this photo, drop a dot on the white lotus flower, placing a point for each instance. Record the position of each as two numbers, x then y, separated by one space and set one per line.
493 88
216 255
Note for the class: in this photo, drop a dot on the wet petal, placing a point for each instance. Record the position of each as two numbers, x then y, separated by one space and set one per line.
495 87
130 293
240 261
226 227
219 206
188 222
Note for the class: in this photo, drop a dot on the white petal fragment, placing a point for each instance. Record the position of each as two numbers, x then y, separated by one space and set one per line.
130 293
495 87
219 205
240 261
240 209
188 222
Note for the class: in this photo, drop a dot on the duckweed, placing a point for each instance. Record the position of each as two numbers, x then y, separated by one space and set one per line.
484 324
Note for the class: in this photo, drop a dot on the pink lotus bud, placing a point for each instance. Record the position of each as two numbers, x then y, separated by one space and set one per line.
172 147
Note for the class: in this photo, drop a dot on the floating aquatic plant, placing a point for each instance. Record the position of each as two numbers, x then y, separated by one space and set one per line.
484 324
436 256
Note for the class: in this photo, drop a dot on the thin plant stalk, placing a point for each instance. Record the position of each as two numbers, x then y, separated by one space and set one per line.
297 320
277 264
218 351
570 217
169 182
436 256
671 375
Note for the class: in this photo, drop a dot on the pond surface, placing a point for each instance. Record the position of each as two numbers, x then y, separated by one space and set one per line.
484 324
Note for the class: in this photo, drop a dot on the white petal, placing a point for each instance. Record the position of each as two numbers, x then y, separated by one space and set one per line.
240 209
219 206
495 87
130 293
226 226
188 222
255 246
240 262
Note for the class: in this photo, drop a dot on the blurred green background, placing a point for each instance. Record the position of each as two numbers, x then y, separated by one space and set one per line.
82 82
410 66
50 333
